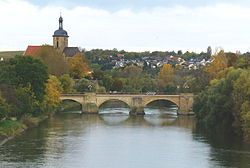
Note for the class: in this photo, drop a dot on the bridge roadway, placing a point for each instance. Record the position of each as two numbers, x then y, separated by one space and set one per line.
92 101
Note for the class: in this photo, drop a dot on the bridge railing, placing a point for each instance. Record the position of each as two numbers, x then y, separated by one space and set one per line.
125 93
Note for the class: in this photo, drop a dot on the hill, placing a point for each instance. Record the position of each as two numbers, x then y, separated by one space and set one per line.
10 54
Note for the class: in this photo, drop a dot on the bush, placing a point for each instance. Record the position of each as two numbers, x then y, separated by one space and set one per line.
4 108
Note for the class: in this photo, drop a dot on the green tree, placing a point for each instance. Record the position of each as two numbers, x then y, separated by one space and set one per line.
29 72
117 85
242 102
4 108
214 106
28 103
85 85
132 71
107 82
67 83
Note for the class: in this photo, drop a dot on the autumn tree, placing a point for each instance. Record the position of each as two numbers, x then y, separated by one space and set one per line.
78 66
54 60
165 76
219 63
53 91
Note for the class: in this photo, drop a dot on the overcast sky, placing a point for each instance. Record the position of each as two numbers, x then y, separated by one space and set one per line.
134 25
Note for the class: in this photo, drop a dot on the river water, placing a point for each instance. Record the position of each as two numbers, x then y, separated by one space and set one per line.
116 140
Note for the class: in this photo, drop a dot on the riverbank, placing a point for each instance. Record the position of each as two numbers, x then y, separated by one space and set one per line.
12 128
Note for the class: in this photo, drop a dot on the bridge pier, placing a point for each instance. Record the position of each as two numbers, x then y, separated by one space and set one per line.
89 108
137 111
137 107
185 104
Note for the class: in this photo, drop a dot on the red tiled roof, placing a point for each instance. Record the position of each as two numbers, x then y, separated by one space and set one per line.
32 50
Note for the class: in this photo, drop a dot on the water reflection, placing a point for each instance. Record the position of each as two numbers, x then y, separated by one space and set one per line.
119 140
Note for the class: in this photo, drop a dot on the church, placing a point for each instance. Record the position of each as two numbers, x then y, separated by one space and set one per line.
60 43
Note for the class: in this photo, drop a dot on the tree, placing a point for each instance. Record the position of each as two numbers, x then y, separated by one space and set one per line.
98 74
245 118
241 96
209 51
67 83
107 82
179 53
231 59
165 76
4 108
29 72
243 61
132 71
53 90
219 63
214 106
54 60
27 103
85 85
78 66
117 85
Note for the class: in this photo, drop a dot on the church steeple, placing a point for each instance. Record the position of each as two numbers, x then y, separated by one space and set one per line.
60 37
60 22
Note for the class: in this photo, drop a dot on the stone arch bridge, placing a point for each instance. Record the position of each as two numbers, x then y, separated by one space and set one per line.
91 101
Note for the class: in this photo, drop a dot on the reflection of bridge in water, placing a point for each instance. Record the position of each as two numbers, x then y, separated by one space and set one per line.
138 121
91 101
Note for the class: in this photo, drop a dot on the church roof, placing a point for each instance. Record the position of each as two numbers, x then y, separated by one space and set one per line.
60 33
32 50
71 51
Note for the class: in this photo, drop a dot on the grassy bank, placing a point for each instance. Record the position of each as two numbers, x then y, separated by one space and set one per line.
11 128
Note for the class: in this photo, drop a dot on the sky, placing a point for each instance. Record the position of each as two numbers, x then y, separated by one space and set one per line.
132 25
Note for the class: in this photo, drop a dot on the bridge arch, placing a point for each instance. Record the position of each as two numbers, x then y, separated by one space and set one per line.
73 97
103 99
73 100
70 105
165 100
174 101
113 100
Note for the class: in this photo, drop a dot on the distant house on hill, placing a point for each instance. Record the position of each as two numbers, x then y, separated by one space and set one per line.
60 42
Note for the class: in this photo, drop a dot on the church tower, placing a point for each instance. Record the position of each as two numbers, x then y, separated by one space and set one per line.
60 37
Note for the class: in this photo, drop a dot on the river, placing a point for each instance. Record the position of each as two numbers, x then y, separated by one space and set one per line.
116 140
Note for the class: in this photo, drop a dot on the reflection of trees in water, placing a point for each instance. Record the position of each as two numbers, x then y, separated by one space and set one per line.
24 148
70 105
227 148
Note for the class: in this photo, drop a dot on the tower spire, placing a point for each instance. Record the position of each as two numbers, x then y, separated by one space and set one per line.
60 21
